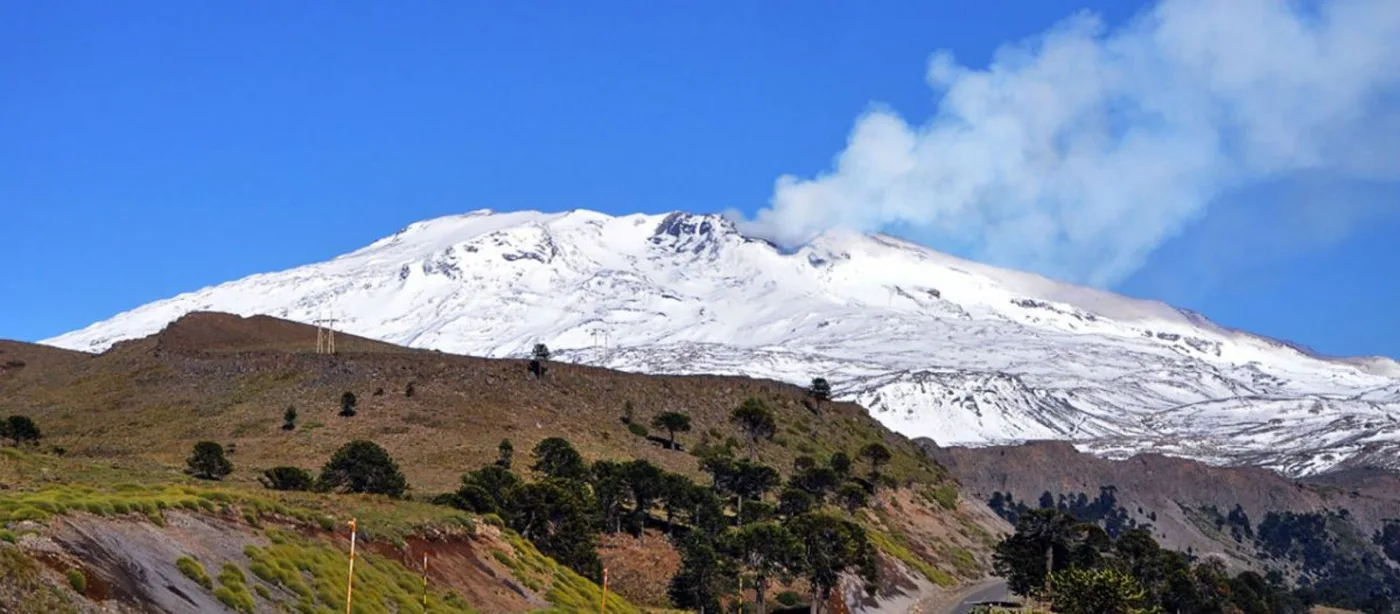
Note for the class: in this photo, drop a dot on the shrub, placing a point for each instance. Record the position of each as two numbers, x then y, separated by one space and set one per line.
363 467
20 429
77 580
287 478
788 599
637 429
194 571
208 462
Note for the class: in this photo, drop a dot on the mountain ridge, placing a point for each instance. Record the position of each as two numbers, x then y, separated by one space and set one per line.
934 345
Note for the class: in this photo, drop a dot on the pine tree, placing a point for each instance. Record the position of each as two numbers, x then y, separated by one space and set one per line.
289 418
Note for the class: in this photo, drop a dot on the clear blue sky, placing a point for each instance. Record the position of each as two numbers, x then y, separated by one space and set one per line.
152 148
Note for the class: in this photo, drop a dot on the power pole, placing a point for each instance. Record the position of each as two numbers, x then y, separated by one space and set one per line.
325 335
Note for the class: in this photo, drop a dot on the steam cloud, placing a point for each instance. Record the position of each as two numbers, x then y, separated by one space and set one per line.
1078 152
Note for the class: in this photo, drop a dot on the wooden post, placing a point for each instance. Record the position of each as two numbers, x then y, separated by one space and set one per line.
350 582
603 605
425 581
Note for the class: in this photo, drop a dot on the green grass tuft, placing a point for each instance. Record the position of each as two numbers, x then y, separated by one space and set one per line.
194 571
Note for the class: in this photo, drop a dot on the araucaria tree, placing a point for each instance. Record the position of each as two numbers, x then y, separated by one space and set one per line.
831 547
820 389
540 352
877 455
504 452
756 421
347 404
363 467
767 550
208 462
557 458
672 422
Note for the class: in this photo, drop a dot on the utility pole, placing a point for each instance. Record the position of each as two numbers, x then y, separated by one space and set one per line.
325 335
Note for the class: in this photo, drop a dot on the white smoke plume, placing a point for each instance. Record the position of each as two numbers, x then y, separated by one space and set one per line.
1077 153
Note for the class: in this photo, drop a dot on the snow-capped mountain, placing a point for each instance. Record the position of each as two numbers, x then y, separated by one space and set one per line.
935 346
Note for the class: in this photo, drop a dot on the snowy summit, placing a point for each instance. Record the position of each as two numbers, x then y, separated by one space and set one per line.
933 345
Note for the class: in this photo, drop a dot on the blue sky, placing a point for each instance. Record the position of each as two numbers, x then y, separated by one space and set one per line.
149 149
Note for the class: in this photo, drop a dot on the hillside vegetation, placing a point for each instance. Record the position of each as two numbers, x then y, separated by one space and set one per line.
256 387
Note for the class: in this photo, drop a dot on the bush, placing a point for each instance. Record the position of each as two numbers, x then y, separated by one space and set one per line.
788 599
363 467
208 462
637 429
20 429
77 580
194 571
287 478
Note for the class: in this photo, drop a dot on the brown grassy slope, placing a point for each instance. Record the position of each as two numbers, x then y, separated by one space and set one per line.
228 379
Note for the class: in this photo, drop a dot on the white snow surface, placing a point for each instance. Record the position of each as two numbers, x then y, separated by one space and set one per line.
934 346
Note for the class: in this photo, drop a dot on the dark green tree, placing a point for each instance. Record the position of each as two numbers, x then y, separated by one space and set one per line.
20 430
703 578
611 492
751 481
831 547
409 390
794 502
816 481
540 352
677 496
820 389
504 452
646 483
362 466
556 457
756 421
347 404
803 463
208 462
289 418
767 550
672 422
486 490
287 478
555 514
877 455
1040 545
852 496
841 463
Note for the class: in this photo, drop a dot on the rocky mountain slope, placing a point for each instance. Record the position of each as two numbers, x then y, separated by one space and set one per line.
933 345
1338 532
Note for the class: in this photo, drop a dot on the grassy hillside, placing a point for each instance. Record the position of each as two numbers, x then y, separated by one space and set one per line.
215 376
141 406
81 536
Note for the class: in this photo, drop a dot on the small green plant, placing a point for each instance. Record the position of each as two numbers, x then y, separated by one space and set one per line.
233 589
947 496
788 599
77 580
637 429
194 571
